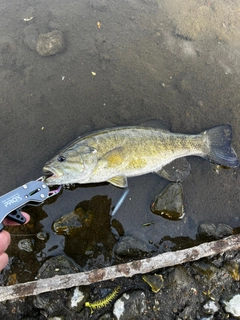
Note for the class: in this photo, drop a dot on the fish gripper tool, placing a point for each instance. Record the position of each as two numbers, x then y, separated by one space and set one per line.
32 193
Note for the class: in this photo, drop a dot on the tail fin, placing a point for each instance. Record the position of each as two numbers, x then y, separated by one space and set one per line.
219 142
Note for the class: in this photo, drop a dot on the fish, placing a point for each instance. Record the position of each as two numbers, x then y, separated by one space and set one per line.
115 154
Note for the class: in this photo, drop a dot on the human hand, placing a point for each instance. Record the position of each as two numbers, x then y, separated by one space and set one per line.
5 240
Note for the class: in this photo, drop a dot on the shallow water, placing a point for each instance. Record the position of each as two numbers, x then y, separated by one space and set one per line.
124 63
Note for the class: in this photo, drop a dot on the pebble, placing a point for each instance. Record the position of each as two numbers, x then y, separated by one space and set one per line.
78 299
26 245
50 43
42 235
210 307
169 203
233 305
130 305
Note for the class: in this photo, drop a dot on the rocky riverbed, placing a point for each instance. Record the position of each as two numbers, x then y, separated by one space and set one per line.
204 289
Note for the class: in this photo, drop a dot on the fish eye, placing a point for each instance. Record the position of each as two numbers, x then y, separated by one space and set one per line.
61 158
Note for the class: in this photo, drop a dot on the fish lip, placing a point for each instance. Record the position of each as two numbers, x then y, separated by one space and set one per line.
49 173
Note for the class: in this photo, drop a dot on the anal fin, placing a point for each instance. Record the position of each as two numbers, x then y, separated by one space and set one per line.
119 181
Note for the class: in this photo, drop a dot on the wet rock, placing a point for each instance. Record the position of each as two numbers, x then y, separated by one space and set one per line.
106 316
58 265
223 230
186 314
129 247
179 278
205 268
232 305
78 299
26 245
155 281
53 303
42 235
169 204
71 222
51 43
56 318
233 269
208 231
15 309
177 171
211 307
130 306
211 278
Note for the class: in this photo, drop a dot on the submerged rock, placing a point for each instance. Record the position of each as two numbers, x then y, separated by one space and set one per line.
208 231
50 43
169 203
58 265
177 171
129 247
42 235
69 222
223 230
26 245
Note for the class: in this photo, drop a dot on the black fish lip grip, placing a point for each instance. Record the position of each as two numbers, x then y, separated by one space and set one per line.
31 193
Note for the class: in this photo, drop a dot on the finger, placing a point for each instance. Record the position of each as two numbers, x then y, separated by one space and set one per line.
5 240
3 260
8 222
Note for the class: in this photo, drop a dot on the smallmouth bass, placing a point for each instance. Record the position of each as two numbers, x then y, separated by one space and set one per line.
112 155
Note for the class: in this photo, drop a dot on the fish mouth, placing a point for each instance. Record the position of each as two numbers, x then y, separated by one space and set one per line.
50 175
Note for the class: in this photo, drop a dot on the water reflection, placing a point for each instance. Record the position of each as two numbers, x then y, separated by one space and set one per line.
87 231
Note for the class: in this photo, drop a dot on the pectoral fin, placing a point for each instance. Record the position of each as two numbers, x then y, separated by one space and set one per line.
119 181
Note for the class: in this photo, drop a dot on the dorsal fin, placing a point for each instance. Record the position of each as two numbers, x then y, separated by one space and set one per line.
156 124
